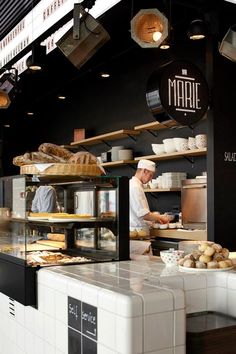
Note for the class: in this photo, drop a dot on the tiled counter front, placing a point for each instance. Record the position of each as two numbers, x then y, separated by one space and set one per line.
140 308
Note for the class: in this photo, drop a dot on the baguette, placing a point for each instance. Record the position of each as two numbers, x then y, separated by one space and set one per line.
55 150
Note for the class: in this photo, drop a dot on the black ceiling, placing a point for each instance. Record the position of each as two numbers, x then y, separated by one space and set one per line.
11 12
36 90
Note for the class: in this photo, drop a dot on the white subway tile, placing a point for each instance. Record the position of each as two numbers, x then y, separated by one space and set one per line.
107 300
194 281
90 294
106 328
179 327
129 305
39 323
217 279
129 335
20 336
29 342
157 301
180 350
75 289
101 349
38 346
49 306
20 313
29 318
61 306
61 341
49 349
231 302
231 281
156 335
217 299
196 300
49 329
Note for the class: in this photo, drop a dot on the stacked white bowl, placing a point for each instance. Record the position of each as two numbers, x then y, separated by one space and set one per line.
172 179
169 145
181 144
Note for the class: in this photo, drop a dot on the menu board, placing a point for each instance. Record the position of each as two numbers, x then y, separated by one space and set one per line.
82 327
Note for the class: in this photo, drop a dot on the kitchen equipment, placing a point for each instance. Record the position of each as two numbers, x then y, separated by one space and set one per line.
125 154
194 203
84 202
114 152
106 156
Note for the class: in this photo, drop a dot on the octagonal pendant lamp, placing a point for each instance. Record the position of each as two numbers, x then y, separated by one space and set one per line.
149 28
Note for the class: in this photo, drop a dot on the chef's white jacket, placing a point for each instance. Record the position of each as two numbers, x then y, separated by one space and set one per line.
138 204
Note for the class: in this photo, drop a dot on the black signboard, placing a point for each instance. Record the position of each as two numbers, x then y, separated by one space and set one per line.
179 89
82 327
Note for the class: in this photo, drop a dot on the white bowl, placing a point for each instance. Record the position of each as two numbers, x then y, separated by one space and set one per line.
169 145
171 257
163 226
192 143
125 154
172 225
181 144
158 149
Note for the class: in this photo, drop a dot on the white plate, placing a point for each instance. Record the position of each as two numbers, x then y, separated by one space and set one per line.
185 269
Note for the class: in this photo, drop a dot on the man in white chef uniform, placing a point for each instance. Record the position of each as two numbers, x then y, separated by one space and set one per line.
140 215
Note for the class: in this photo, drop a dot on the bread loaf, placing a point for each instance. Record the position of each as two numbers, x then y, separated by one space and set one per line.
22 160
83 157
56 237
55 150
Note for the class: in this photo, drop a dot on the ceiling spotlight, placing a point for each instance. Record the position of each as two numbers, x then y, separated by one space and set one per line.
35 61
197 30
30 113
7 126
149 28
165 45
8 86
105 75
61 97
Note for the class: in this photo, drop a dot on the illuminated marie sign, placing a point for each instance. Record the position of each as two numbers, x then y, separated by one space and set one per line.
43 16
180 90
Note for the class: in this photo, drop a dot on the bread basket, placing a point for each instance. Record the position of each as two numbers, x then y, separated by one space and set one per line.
61 169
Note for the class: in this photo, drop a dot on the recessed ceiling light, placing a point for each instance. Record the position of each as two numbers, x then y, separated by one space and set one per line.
61 97
105 75
7 126
30 113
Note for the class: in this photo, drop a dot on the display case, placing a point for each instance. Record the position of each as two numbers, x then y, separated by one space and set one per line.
91 224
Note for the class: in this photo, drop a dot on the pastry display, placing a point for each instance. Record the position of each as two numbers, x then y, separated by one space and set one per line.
59 216
208 256
40 258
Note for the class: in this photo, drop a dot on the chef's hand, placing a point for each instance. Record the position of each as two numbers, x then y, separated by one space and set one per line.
162 219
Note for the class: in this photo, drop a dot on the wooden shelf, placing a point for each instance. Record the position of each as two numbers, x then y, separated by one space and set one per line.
149 190
118 163
196 235
156 125
119 134
174 155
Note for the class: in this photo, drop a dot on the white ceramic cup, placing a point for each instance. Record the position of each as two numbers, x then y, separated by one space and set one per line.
201 141
114 152
192 143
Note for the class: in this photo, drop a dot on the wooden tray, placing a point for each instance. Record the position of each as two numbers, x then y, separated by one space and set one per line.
62 169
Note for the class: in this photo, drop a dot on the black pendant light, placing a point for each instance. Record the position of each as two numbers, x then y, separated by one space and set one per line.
197 30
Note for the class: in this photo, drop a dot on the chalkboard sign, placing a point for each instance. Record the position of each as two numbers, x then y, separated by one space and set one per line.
89 320
82 327
180 90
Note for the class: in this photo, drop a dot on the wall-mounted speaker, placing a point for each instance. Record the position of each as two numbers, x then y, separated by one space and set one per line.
228 45
92 36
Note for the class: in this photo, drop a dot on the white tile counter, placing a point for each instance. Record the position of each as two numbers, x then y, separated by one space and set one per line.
140 307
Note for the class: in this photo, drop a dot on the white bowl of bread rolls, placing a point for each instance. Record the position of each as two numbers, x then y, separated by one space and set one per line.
208 256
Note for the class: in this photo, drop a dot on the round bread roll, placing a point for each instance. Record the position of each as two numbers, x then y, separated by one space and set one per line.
217 247
133 233
189 256
202 246
142 233
196 254
223 264
225 252
212 265
218 257
181 261
209 251
189 263
200 265
204 258
229 262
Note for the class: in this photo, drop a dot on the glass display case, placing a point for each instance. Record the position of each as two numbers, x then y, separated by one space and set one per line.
90 224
